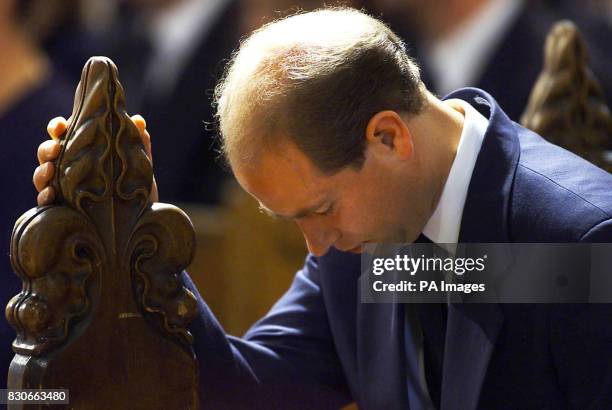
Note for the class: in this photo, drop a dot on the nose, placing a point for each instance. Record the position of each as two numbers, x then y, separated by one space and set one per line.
319 238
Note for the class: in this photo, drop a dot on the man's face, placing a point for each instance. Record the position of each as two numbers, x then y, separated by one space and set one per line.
377 203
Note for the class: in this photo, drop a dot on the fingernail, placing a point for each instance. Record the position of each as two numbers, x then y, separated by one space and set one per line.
56 128
140 122
60 127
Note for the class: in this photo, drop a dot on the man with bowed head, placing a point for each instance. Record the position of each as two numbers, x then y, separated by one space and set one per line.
324 120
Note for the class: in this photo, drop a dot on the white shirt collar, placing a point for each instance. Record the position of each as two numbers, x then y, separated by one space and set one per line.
444 224
458 59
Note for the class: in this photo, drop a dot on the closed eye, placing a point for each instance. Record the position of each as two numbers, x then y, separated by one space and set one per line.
327 211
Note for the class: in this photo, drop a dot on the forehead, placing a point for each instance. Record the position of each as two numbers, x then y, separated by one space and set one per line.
283 180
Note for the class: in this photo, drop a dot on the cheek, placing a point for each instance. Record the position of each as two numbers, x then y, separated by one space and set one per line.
367 207
387 213
362 219
349 223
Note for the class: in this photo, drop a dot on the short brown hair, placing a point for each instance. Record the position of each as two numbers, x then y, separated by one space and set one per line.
317 79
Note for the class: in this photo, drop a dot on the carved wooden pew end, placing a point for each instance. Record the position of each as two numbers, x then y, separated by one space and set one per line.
103 312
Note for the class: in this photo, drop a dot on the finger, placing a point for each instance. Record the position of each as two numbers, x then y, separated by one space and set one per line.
154 193
56 127
48 151
46 196
140 122
42 175
146 141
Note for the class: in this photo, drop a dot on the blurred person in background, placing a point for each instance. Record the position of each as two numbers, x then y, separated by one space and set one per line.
496 45
64 29
169 54
31 92
256 13
597 10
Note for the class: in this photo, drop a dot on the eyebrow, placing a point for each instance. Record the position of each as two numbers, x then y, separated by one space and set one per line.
299 214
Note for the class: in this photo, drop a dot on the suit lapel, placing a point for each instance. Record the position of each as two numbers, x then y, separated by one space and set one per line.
381 356
468 349
472 329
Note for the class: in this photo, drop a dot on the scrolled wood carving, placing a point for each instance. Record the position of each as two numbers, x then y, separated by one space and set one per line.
154 251
101 267
55 265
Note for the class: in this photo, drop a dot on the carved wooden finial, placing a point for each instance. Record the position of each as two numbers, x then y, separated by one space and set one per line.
567 105
103 311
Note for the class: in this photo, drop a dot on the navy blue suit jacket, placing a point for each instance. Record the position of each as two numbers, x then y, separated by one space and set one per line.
319 347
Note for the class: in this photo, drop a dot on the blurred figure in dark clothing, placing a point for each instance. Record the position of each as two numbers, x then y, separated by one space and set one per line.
58 28
31 93
256 13
170 54
598 10
496 45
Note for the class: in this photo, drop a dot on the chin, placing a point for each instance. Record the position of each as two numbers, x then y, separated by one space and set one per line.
354 249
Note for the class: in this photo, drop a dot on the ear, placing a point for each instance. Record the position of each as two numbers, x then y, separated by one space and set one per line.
388 131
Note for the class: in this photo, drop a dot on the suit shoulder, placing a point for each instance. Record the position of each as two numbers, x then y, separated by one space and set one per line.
557 191
556 166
